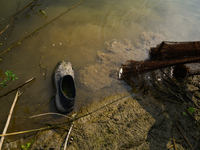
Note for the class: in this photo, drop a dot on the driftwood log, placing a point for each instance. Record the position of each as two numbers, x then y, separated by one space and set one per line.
175 50
165 55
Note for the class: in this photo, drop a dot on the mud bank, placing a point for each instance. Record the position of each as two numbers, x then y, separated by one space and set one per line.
123 121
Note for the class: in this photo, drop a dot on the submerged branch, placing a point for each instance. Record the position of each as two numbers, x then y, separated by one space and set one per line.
18 87
27 131
4 28
20 10
49 114
39 28
9 117
184 136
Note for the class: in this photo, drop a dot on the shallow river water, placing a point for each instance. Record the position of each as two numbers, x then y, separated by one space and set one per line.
96 36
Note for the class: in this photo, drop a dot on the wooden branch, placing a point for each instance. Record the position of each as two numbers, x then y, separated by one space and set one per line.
18 87
171 50
173 138
39 27
50 114
65 146
168 147
44 104
21 132
190 114
4 28
20 10
184 136
9 117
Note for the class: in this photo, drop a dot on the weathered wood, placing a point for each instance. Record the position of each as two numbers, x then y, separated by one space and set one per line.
137 67
165 55
174 50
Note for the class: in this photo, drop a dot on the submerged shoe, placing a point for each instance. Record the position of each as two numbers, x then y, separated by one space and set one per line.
64 86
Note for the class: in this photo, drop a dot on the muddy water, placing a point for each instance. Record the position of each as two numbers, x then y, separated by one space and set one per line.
96 37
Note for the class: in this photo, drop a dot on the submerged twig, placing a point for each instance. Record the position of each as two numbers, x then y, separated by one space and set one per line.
173 138
65 146
57 126
184 136
49 114
168 147
180 89
18 87
4 28
102 107
9 117
42 68
152 135
45 104
169 100
20 10
27 131
191 115
40 27
13 21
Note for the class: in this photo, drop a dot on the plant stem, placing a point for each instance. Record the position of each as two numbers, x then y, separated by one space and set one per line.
8 120
18 87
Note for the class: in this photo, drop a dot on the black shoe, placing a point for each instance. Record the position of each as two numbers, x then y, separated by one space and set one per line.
64 86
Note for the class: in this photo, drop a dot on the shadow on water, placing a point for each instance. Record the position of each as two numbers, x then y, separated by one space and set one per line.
167 100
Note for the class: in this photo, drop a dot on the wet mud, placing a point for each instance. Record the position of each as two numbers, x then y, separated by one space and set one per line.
100 75
131 120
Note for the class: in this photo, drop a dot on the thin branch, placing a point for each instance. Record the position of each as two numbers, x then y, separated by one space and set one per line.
169 100
168 147
65 146
45 104
102 107
18 87
184 137
20 10
13 21
39 27
191 115
173 138
21 132
4 28
9 117
50 114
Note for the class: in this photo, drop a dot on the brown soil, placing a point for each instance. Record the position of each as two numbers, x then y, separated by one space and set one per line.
127 121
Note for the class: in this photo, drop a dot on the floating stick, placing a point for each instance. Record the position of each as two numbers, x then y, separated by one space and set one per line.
8 120
18 87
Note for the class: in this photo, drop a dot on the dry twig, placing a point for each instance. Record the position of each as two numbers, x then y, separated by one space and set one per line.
49 114
65 146
9 117
20 10
168 147
173 138
21 132
184 136
191 115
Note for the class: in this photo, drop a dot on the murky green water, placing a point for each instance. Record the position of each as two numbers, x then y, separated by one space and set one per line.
95 36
